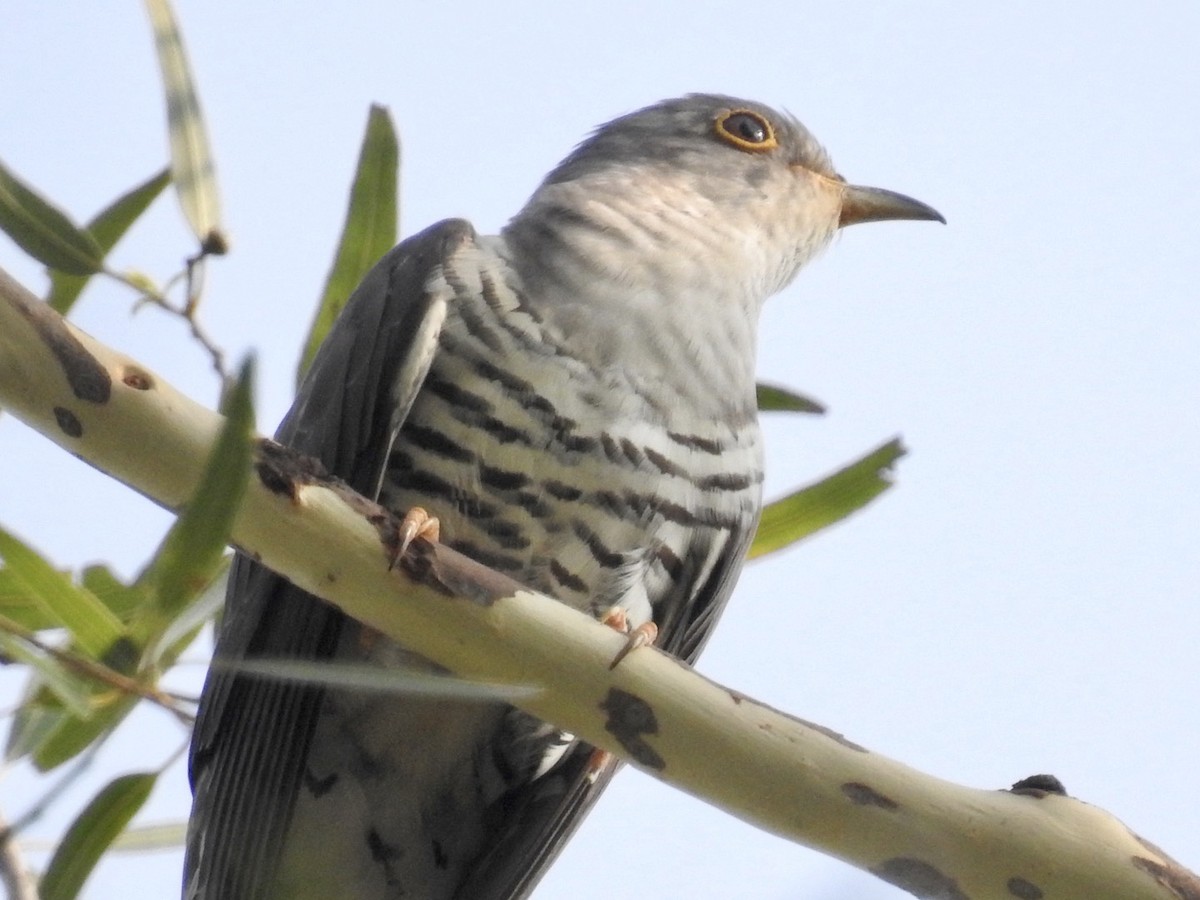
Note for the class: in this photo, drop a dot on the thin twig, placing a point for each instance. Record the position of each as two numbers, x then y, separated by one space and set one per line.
102 673
188 312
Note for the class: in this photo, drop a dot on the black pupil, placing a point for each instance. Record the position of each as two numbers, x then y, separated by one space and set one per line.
746 127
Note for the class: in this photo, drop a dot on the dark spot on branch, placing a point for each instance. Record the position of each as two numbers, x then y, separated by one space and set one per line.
89 380
68 422
919 879
1183 884
864 795
630 718
1024 890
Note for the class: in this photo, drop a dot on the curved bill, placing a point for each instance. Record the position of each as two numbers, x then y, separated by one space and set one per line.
868 204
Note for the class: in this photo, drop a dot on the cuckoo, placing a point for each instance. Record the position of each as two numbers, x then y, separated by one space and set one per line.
573 401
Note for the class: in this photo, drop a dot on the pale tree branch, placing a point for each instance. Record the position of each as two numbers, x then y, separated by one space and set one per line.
790 777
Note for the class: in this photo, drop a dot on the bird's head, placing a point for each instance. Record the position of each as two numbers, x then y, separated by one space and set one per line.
718 182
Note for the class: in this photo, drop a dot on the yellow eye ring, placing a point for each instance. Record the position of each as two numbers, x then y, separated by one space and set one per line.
746 130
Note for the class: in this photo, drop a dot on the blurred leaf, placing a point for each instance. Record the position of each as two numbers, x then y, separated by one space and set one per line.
89 622
44 728
192 167
92 833
72 736
142 838
142 282
44 231
31 727
51 673
773 398
369 230
378 679
191 554
123 600
178 635
108 227
17 604
810 509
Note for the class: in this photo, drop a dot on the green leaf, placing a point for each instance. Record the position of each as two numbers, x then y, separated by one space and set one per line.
17 604
72 736
92 833
108 227
369 230
191 554
361 677
51 673
819 505
32 725
57 679
179 633
192 167
773 398
123 600
140 838
89 622
43 230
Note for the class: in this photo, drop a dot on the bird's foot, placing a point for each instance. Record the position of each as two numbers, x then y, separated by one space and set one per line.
596 764
417 523
641 636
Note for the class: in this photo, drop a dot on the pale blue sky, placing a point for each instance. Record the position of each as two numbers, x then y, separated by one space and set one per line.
1026 600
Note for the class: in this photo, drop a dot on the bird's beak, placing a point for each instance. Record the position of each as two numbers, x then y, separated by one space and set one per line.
868 204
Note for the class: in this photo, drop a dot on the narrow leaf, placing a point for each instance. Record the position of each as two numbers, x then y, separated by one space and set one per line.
191 553
31 727
71 736
108 227
179 633
43 230
50 673
773 398
89 622
144 838
123 600
376 679
92 833
192 167
18 605
369 230
819 505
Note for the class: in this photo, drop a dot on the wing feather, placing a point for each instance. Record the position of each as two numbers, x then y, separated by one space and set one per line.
251 736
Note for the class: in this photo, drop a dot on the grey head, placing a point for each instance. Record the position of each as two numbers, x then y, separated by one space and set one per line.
732 189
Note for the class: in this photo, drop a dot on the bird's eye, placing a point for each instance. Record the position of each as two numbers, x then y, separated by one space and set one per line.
746 130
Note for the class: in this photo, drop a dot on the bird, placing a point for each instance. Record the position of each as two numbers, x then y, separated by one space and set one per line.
570 402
